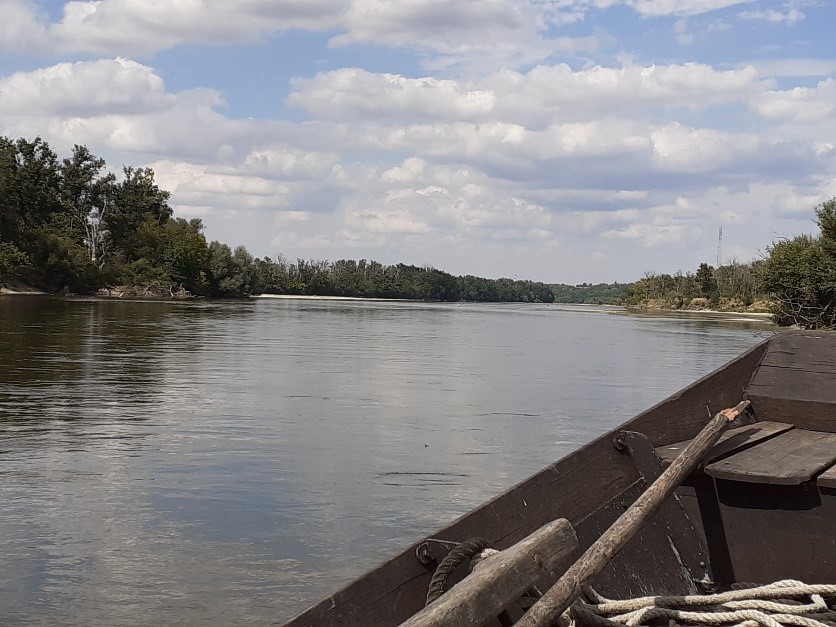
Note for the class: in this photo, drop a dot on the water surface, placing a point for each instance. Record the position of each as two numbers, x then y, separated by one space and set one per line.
215 463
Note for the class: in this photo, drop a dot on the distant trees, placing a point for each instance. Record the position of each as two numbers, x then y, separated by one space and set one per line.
800 274
70 225
589 294
371 279
732 286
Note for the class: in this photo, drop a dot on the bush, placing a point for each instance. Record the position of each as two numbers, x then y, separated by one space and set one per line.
800 274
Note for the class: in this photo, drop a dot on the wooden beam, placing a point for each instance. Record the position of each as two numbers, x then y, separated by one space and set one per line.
502 578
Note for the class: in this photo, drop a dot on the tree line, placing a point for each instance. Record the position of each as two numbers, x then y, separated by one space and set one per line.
796 281
70 225
733 286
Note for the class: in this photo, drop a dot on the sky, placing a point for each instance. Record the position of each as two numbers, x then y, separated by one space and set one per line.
563 141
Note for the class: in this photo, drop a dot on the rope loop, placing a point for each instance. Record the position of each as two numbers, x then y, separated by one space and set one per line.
465 551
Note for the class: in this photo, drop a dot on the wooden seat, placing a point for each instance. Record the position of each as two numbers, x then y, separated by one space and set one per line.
790 458
731 441
828 478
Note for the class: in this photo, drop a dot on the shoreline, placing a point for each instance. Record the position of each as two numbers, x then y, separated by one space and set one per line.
754 316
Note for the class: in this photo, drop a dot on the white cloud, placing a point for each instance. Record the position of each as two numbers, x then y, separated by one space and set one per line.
791 16
800 104
352 93
682 149
505 31
127 27
537 98
22 27
683 7
656 8
86 89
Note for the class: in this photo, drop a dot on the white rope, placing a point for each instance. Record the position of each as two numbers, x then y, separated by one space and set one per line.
779 604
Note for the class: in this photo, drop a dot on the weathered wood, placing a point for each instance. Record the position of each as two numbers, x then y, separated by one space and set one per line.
679 529
790 458
828 478
779 532
804 350
731 441
647 564
548 609
795 381
572 488
810 415
503 578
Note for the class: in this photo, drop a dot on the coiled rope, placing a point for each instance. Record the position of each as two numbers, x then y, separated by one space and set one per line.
779 604
466 550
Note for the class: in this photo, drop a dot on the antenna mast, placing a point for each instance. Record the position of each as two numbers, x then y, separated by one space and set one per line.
720 247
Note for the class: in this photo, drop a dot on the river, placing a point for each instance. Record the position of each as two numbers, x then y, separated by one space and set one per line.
232 462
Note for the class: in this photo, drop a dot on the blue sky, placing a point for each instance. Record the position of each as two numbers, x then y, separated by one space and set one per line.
557 140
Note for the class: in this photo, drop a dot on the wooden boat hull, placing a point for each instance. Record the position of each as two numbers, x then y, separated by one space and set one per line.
790 378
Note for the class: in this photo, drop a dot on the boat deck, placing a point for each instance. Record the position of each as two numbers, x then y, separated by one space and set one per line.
764 499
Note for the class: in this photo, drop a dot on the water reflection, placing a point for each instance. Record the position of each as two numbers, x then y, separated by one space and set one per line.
232 462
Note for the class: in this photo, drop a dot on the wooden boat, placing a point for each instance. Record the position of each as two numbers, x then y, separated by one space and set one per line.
759 507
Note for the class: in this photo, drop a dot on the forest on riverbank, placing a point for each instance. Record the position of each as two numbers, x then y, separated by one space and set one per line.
795 281
71 226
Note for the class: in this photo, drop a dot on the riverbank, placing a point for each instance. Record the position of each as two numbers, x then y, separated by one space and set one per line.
17 289
705 314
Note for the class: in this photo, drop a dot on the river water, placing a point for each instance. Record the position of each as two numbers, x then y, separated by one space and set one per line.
215 463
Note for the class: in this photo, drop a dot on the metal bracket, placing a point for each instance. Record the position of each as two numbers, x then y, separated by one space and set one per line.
682 533
431 551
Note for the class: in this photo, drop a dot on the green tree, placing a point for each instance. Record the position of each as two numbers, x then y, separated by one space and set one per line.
136 200
800 274
84 194
705 280
231 273
12 261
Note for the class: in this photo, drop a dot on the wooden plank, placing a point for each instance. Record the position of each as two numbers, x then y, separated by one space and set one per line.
795 381
680 530
732 441
572 488
804 350
790 458
810 415
797 384
779 532
502 579
647 564
828 478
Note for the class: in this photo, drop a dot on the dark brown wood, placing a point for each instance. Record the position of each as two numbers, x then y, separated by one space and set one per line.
779 532
710 517
572 488
795 381
790 458
648 563
731 441
502 579
553 603
679 529
828 478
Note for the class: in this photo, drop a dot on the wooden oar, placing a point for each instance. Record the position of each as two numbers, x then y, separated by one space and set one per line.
563 593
